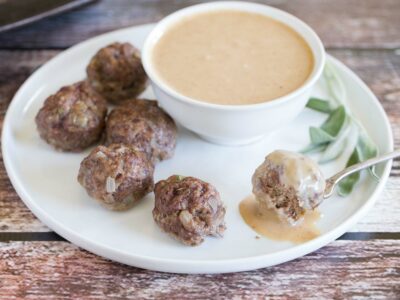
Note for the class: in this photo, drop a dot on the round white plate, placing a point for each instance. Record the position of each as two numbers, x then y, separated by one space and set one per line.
46 179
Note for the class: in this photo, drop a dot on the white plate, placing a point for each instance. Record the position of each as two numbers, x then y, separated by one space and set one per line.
46 179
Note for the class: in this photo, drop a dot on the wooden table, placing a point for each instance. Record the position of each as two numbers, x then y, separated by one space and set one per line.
364 263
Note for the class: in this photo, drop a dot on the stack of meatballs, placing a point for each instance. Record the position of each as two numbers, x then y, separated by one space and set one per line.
134 137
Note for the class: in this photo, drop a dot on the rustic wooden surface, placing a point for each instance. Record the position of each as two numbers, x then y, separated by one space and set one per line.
36 263
343 269
340 23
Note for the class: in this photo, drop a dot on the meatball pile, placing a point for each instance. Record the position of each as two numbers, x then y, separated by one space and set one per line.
189 209
116 72
289 183
137 134
144 126
116 175
73 118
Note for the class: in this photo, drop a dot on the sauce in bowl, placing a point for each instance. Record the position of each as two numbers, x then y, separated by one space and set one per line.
232 57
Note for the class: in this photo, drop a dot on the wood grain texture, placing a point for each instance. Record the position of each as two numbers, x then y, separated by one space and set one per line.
378 68
357 269
342 270
340 23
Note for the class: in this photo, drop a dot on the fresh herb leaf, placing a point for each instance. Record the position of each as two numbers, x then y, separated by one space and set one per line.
333 135
366 147
319 105
333 151
322 137
335 122
372 171
346 185
368 150
314 148
319 136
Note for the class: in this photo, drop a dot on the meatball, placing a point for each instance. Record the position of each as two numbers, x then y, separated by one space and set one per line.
288 183
116 175
73 118
143 125
116 72
188 209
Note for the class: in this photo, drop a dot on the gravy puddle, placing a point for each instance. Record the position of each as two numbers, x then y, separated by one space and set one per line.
267 223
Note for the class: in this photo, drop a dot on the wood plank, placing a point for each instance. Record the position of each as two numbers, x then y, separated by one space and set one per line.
378 68
341 270
14 215
340 23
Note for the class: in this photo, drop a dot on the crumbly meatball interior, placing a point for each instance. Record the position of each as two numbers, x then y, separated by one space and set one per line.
188 209
288 183
117 176
73 118
143 125
116 72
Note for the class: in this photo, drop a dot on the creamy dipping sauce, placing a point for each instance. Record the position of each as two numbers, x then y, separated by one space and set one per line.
267 223
231 57
301 173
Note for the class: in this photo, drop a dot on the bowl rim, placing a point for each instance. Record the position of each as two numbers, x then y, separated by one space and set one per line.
318 52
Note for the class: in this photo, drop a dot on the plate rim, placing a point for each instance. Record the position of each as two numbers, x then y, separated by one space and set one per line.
186 266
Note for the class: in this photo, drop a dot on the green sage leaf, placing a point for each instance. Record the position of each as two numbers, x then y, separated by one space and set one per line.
333 151
335 122
319 136
333 135
372 172
368 150
366 147
311 148
319 105
346 185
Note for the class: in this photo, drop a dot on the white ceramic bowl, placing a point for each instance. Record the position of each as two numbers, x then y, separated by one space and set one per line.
233 124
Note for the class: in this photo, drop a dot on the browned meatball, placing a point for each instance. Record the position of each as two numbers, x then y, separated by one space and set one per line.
116 72
188 209
143 125
116 175
73 118
288 183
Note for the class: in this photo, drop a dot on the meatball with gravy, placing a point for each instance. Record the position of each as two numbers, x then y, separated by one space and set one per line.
143 125
289 183
116 72
73 118
189 209
117 176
